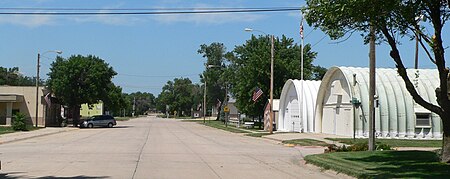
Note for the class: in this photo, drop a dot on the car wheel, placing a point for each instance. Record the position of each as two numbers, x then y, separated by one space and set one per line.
110 125
90 125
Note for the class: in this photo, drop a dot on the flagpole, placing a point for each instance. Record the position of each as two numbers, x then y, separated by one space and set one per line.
301 69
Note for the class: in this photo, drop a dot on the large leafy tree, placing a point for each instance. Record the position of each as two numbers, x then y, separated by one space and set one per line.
213 74
116 100
142 101
80 79
249 67
180 95
393 21
12 77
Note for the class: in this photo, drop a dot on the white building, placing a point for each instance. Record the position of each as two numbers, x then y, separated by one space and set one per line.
343 104
297 106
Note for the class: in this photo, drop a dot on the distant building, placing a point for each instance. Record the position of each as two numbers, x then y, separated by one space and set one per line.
88 110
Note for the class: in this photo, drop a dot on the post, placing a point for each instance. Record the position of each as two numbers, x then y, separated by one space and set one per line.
37 89
372 89
204 102
134 105
271 86
301 77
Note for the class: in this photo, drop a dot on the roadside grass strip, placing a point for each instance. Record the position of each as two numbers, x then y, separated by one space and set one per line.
258 134
306 142
393 142
383 164
220 125
6 130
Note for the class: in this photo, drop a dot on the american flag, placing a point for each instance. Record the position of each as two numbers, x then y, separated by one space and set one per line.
301 29
256 94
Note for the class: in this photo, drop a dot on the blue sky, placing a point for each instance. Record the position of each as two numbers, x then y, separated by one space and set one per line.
149 50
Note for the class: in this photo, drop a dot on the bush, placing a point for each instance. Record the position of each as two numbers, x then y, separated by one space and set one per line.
361 146
18 124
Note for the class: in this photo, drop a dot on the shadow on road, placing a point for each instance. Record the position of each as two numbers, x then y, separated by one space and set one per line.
7 176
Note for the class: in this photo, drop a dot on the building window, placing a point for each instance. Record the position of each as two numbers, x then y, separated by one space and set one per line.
423 120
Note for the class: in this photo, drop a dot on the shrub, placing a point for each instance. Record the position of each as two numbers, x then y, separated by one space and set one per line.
18 124
361 146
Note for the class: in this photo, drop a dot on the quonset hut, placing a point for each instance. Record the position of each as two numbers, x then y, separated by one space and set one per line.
343 104
295 115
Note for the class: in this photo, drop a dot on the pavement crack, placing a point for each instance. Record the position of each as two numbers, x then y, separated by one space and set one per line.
141 150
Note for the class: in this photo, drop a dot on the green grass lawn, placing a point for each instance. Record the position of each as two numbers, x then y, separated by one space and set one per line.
8 129
305 142
393 142
221 125
259 134
122 118
383 164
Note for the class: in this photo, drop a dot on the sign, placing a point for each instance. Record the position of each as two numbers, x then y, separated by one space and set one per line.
226 109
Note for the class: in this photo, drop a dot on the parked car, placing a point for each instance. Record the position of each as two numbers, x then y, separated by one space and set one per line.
99 121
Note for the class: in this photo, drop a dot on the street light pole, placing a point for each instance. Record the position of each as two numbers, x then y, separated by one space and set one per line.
37 82
271 86
271 77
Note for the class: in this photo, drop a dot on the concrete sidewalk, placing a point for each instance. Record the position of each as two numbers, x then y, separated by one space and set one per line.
18 136
306 150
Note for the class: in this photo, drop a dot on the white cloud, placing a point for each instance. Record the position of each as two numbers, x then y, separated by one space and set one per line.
208 18
109 19
27 20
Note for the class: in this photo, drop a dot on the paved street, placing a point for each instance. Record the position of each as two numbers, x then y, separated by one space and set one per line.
152 148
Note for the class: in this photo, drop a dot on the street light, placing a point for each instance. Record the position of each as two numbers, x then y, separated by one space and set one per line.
204 92
271 77
37 81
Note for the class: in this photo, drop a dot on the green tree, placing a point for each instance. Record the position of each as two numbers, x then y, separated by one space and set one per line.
249 67
213 75
115 100
180 95
12 77
78 80
166 98
394 21
142 101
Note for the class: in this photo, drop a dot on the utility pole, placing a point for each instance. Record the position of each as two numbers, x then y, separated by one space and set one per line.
271 86
372 89
204 101
37 89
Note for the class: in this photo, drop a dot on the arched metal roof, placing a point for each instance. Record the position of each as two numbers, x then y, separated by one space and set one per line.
304 117
396 112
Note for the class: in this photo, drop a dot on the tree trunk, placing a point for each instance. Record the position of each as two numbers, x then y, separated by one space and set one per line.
75 115
445 157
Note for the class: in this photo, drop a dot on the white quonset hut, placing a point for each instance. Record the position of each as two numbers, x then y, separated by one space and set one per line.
295 115
343 104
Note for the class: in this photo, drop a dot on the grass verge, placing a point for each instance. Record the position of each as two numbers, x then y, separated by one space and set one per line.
9 129
259 134
383 164
221 125
305 142
393 142
122 118
6 130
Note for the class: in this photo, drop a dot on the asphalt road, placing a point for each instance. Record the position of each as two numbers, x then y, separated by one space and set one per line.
152 148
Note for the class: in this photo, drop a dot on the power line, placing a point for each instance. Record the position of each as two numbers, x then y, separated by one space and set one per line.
218 11
138 9
155 76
